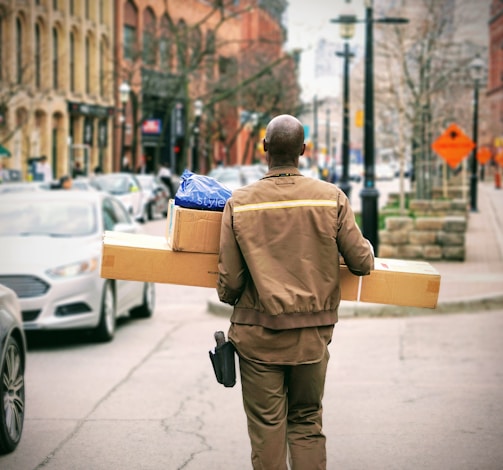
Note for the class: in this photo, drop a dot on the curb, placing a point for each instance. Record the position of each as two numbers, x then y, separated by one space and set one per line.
354 309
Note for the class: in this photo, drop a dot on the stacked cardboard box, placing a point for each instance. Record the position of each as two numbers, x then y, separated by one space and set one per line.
188 255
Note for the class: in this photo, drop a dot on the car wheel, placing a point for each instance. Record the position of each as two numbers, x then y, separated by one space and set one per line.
106 328
12 397
146 309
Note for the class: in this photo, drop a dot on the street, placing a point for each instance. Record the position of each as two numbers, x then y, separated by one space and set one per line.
402 393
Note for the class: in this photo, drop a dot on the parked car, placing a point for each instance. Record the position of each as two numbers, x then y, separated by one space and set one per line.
21 186
127 188
234 177
157 196
384 172
12 367
51 246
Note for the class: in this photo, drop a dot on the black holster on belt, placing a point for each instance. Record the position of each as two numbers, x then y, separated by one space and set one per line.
223 361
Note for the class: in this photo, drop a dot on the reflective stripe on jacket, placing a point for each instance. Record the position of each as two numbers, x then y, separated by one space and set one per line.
280 243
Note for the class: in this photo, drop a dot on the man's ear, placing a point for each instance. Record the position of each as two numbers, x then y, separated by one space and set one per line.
303 149
264 144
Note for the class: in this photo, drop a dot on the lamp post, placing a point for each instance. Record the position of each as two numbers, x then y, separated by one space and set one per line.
124 90
198 111
476 71
347 30
369 193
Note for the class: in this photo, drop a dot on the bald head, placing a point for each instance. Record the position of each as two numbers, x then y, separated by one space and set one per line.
284 140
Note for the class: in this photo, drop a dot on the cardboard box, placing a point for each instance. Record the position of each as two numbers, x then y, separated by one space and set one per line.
401 282
193 230
149 258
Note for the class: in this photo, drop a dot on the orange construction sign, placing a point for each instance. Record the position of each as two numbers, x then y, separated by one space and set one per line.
484 154
453 145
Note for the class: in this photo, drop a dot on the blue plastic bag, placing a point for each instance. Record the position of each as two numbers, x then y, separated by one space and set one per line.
201 192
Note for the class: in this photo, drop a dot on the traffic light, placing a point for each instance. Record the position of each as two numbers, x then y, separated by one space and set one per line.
178 147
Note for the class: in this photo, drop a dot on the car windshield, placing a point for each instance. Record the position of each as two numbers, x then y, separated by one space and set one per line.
113 184
48 218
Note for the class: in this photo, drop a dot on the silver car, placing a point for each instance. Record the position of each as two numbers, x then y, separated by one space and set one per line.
50 247
12 367
127 188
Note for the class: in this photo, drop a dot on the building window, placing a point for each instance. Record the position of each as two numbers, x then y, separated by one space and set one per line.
55 82
102 69
19 51
72 7
129 41
88 66
164 44
148 50
37 57
72 61
1 47
55 4
86 6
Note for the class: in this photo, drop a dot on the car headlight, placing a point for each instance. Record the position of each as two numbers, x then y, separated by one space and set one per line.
74 269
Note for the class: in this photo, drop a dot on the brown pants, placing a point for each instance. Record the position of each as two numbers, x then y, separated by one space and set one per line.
283 405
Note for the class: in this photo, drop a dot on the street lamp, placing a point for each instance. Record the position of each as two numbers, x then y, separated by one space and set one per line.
347 31
477 73
198 111
124 90
369 193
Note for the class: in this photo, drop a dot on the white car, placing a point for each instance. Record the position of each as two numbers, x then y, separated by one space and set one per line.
50 251
12 367
384 172
127 188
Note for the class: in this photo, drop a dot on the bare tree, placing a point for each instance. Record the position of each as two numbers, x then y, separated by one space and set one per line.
423 84
181 64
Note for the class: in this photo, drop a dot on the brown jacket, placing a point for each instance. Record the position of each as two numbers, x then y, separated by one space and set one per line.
280 242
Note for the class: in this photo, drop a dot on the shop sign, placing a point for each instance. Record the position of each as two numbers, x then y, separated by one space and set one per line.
151 126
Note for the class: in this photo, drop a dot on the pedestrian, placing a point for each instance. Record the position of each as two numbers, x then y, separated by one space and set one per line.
126 167
44 169
165 176
281 244
64 182
77 170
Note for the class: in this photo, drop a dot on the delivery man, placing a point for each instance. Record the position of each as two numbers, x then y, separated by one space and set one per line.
281 244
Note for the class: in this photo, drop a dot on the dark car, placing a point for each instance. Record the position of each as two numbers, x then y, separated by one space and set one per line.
12 366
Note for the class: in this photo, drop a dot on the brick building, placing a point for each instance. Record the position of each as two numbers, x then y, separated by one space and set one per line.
56 96
495 75
64 61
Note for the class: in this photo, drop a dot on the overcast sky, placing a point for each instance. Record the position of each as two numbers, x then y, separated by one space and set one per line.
308 21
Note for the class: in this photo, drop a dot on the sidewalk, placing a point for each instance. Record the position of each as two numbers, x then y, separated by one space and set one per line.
471 285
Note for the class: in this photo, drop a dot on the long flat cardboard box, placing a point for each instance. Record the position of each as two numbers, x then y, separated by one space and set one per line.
149 258
401 282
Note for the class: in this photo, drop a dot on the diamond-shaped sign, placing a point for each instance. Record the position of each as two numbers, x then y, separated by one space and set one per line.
484 154
453 145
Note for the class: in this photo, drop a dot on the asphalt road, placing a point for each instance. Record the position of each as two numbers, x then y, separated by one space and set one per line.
402 393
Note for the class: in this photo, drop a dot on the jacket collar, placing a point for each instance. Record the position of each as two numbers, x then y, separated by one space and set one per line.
283 171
